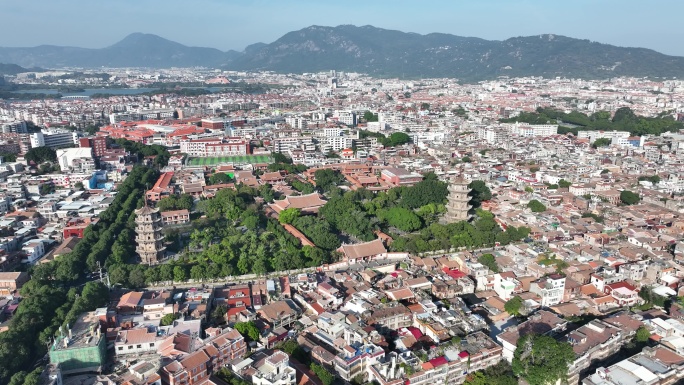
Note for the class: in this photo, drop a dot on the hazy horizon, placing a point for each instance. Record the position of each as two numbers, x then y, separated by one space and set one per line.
235 25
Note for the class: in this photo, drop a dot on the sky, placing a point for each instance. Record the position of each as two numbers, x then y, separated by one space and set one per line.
234 24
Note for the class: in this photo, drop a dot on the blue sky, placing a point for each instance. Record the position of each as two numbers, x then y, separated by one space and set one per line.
233 24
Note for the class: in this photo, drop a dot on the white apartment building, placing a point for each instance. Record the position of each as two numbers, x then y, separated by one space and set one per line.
674 183
275 370
581 189
291 143
419 138
376 126
34 250
551 289
527 130
505 285
336 143
593 135
345 117
13 126
492 135
53 138
330 132
214 147
297 122
131 116
80 158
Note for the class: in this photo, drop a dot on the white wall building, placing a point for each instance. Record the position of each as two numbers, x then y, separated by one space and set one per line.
53 138
275 370
69 156
593 135
34 250
550 289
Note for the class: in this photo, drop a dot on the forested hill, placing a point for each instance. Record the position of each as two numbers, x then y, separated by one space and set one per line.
376 51
388 53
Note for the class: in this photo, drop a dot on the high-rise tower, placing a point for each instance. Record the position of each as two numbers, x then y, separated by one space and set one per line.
458 205
149 235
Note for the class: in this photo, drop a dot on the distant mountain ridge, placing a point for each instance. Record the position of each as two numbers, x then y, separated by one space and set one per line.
379 52
388 53
135 50
13 69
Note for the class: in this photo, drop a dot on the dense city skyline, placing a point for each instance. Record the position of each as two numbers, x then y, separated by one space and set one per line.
234 26
360 202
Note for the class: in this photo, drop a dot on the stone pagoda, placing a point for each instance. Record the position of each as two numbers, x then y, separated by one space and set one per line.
149 235
458 206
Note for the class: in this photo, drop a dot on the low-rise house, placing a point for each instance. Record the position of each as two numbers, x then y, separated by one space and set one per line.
191 370
355 359
274 370
309 203
391 317
129 303
279 313
363 251
12 281
175 217
137 341
653 366
34 250
156 307
593 342
550 289
541 322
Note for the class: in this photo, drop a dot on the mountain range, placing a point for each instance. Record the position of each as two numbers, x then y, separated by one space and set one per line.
376 51
13 69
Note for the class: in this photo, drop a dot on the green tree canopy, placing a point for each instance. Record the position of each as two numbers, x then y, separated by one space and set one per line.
279 157
499 374
219 178
642 334
370 117
479 192
180 274
513 306
429 190
629 198
249 330
175 202
327 178
490 261
8 156
168 319
564 183
655 179
541 360
302 187
288 216
41 155
397 139
536 206
160 153
601 142
623 120
401 218
323 374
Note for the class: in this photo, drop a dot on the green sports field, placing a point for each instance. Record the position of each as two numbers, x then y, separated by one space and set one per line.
214 160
